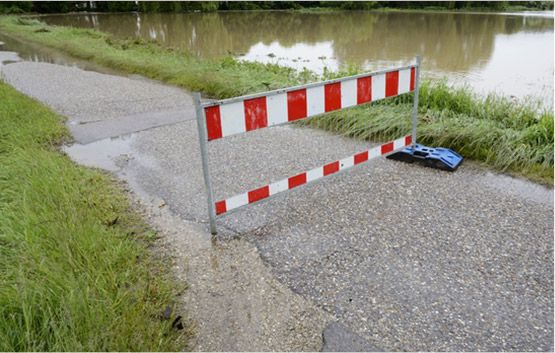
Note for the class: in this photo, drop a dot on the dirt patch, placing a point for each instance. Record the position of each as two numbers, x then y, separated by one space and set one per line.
232 298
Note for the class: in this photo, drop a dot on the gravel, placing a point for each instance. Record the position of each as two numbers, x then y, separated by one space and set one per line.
232 299
405 257
338 338
87 96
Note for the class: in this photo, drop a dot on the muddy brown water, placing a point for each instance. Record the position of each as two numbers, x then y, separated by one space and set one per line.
510 54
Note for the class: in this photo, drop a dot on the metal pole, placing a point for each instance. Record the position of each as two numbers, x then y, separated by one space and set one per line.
203 139
415 101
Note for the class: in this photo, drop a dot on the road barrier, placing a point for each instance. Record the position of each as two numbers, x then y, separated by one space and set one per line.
220 119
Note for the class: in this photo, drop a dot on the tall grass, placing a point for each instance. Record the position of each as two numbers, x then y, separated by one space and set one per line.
507 135
75 272
221 78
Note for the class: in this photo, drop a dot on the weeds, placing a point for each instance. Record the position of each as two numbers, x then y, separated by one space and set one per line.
505 135
74 268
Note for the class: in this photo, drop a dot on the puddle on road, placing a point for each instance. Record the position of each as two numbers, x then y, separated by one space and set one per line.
518 187
8 57
37 53
108 154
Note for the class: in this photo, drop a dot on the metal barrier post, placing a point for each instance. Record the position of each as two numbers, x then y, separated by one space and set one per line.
415 101
224 118
201 122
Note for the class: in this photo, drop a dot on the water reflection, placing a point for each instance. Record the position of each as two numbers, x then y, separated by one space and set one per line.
449 42
32 52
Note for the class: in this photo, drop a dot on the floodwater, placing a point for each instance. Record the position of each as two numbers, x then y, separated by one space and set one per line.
19 50
510 54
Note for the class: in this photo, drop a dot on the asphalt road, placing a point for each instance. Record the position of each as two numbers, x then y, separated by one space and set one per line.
400 256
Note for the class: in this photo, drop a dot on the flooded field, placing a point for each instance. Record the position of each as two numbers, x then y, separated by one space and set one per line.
510 54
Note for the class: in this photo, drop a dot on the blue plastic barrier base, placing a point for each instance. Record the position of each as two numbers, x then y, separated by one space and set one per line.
440 158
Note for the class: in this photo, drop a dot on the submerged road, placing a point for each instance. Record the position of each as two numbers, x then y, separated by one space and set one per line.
388 256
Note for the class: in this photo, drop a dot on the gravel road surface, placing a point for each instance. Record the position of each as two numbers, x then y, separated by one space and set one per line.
395 255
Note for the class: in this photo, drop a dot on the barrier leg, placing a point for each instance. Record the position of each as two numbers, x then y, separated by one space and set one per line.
201 122
415 101
440 158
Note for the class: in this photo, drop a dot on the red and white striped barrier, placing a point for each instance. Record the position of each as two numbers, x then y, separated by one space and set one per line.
238 115
309 176
233 116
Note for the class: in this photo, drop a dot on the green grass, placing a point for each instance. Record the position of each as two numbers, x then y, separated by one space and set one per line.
75 270
508 136
514 138
221 78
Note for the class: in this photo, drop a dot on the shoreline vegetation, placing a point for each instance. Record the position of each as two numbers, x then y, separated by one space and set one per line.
20 7
315 10
512 137
75 266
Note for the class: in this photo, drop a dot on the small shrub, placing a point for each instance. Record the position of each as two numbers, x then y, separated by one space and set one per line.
14 10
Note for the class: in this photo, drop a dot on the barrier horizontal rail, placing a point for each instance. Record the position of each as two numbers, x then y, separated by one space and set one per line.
292 182
228 117
247 113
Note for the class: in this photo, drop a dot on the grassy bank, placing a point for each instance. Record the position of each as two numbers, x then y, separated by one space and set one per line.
218 78
508 136
470 9
75 271
431 9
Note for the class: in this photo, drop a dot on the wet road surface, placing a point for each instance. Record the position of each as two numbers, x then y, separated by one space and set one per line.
400 256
